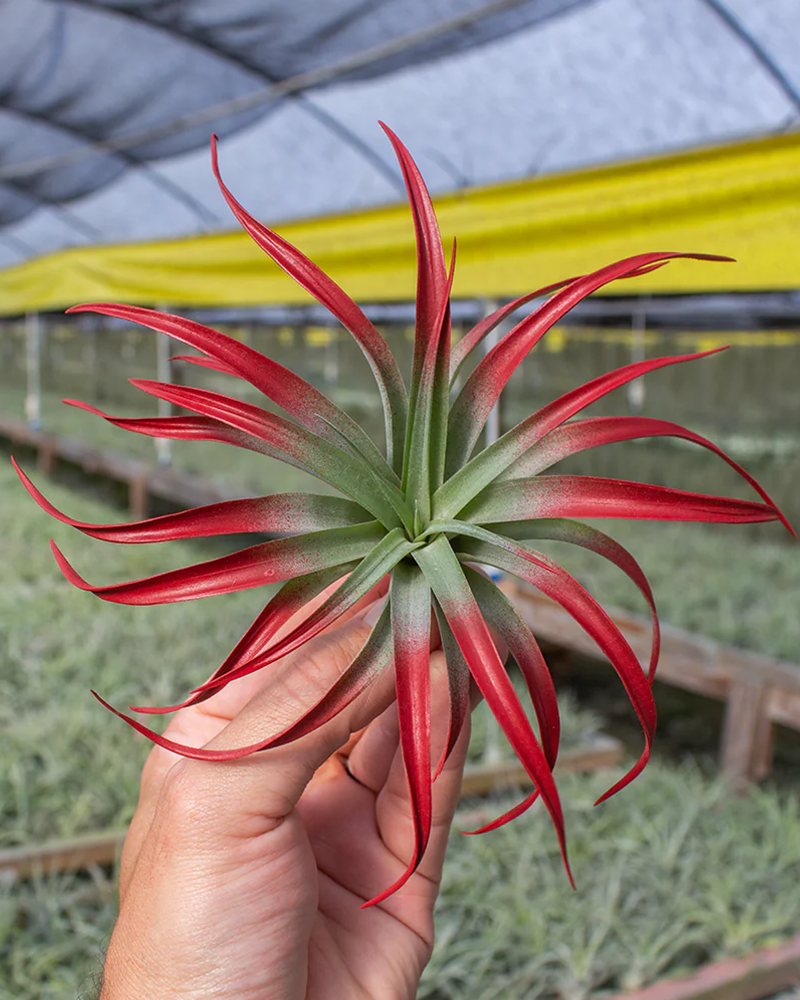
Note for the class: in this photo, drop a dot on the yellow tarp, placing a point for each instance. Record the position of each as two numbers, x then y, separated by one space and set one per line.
742 200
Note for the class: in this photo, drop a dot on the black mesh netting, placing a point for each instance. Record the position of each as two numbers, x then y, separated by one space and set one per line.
73 73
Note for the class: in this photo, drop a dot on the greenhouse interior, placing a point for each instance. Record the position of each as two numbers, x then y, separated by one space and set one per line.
612 257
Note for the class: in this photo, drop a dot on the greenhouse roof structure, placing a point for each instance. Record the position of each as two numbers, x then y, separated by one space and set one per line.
560 124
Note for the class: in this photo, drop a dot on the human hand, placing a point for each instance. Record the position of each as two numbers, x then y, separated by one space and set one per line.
244 879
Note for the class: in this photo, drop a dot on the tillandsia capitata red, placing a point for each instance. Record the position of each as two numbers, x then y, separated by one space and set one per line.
425 513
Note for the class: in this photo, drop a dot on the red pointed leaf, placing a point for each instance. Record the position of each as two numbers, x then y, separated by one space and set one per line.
458 686
202 362
180 428
411 616
482 533
281 513
500 613
440 389
593 496
484 327
580 435
492 461
483 388
379 561
310 277
431 272
292 597
291 392
506 817
470 340
590 538
269 562
373 657
566 591
427 424
448 583
292 444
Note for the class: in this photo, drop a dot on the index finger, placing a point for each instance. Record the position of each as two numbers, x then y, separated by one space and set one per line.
200 724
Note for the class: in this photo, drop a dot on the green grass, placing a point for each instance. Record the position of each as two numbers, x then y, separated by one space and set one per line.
57 642
579 726
53 933
672 873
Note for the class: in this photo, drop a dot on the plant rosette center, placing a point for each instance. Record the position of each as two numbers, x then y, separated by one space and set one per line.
426 510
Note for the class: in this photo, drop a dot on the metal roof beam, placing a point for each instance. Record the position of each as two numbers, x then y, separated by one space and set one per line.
325 118
757 49
204 215
261 95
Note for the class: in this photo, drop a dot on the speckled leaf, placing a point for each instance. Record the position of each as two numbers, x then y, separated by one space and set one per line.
379 358
566 591
268 562
482 389
410 598
486 466
279 513
291 392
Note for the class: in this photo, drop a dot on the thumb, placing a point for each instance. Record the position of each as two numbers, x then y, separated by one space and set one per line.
269 783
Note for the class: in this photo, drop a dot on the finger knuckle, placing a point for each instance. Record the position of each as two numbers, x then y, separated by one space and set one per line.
188 794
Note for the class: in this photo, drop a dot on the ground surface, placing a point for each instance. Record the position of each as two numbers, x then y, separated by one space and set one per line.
678 871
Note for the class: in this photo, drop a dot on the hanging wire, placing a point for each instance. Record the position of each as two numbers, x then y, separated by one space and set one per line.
757 49
262 95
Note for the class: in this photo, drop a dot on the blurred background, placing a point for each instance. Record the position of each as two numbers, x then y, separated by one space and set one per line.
555 136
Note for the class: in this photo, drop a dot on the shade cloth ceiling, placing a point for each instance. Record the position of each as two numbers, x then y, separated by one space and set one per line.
741 200
537 88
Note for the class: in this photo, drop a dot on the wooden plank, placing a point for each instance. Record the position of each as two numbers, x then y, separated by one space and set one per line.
750 977
143 480
783 707
603 751
188 490
686 661
759 690
745 754
98 462
762 750
103 848
47 456
138 497
19 432
700 664
62 855
480 779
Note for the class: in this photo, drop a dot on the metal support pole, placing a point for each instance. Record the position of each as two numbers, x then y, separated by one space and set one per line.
33 370
636 389
164 350
330 371
89 356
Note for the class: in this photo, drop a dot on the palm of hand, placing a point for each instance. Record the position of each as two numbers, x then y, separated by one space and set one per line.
245 881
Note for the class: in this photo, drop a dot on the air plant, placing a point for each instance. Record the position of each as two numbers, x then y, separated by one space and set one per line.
425 513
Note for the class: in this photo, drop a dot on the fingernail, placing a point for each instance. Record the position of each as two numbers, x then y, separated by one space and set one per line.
373 612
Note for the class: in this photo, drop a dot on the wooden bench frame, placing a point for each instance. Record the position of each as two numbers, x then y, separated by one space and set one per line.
144 481
102 848
759 691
